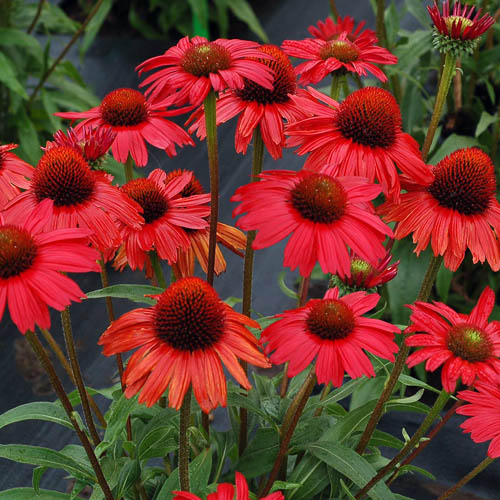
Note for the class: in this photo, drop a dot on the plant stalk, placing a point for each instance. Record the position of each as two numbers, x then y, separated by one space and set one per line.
158 271
337 82
185 417
77 374
129 168
37 16
333 8
213 163
444 87
423 295
68 408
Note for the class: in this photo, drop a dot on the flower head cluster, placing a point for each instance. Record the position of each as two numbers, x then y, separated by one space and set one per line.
468 346
14 174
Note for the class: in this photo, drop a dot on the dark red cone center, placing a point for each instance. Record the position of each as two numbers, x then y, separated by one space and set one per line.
64 176
342 50
205 58
192 188
124 108
148 195
17 251
189 315
469 343
330 319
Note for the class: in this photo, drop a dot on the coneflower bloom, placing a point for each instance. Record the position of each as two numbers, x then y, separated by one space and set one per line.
330 29
93 144
458 29
167 215
364 275
361 136
194 67
456 210
484 410
31 266
136 121
184 340
333 331
80 197
324 215
259 107
339 54
225 491
14 174
467 345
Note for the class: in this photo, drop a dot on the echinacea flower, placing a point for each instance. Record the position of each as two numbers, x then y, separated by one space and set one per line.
183 340
194 67
79 197
324 215
166 214
458 30
333 331
225 491
136 121
330 29
93 144
14 174
32 262
484 410
454 211
366 276
360 136
467 345
258 107
326 57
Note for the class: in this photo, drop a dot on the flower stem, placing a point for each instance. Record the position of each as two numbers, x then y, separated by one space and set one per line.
288 427
414 440
473 473
37 16
56 349
129 168
423 295
337 82
431 435
77 374
257 161
333 8
444 86
68 408
158 271
213 163
184 441
380 23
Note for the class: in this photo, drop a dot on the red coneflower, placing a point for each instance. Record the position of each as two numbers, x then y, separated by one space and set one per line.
225 491
93 144
339 54
324 214
135 120
330 30
31 266
193 67
80 197
184 339
259 107
334 330
166 214
14 174
484 411
456 210
468 345
361 136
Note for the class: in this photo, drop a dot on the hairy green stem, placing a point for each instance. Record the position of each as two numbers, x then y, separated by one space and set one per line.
70 411
423 295
129 168
213 163
471 475
37 16
77 374
158 271
444 87
337 82
414 440
333 8
290 421
185 417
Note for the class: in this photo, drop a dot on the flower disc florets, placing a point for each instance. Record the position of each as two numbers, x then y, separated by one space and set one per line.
124 108
469 343
205 58
17 251
330 319
147 194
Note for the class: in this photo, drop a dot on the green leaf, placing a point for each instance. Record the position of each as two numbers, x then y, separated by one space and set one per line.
222 17
410 399
292 294
235 398
199 478
414 468
119 411
43 410
415 382
484 122
82 95
381 438
312 475
199 11
29 145
31 494
418 11
129 475
135 293
8 77
14 37
451 144
157 442
51 108
259 456
341 392
37 455
443 282
95 25
243 11
351 465
38 473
